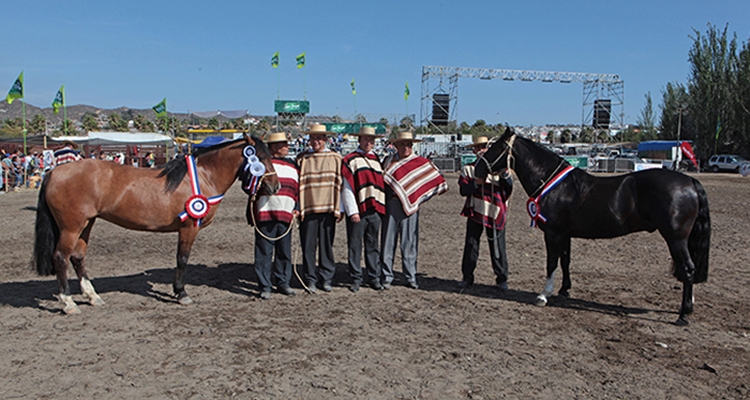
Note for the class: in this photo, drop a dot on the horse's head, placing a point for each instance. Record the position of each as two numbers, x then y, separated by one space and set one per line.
269 179
496 157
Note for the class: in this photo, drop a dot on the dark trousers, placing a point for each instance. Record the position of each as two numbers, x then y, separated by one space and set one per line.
317 231
367 230
268 268
496 239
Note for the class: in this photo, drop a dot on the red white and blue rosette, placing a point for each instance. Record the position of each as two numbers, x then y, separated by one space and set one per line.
197 206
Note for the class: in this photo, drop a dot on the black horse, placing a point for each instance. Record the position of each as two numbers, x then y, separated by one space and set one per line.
567 202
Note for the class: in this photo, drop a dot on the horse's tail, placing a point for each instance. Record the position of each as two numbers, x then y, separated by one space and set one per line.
46 235
700 237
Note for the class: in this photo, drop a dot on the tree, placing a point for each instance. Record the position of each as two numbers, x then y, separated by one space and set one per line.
70 131
711 82
90 122
675 100
647 121
13 127
565 136
213 123
142 124
406 123
117 124
38 125
360 119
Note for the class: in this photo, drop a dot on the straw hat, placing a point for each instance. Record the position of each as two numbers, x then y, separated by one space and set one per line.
366 131
480 141
405 137
318 129
276 137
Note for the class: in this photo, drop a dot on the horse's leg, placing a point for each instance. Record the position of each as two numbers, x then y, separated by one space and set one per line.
565 266
77 258
60 261
185 243
553 243
684 270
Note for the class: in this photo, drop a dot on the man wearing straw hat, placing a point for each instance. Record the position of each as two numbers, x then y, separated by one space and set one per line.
67 153
410 181
363 200
272 216
485 210
320 204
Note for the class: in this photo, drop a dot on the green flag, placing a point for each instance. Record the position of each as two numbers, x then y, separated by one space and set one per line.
16 91
59 100
275 60
301 60
354 91
406 91
718 128
161 108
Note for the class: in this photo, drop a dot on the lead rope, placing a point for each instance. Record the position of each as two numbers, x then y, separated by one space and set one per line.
295 253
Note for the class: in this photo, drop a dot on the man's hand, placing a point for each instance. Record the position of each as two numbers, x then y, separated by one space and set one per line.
355 218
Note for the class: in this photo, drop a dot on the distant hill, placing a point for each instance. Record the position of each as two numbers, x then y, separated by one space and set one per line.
75 113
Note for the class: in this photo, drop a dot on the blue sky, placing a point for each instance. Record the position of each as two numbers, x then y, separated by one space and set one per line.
216 55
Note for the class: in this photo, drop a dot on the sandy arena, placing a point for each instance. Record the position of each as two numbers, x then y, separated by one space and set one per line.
613 338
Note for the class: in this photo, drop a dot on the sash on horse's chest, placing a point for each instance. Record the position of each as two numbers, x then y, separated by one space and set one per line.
532 205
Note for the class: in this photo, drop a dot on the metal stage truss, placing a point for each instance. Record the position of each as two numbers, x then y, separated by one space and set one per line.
440 93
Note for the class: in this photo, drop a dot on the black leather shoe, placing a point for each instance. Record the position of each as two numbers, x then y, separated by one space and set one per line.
377 286
288 291
327 287
412 285
464 284
354 288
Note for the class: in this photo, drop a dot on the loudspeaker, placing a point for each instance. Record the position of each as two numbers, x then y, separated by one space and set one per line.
459 137
440 108
602 112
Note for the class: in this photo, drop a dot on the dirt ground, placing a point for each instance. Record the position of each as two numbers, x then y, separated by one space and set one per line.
613 338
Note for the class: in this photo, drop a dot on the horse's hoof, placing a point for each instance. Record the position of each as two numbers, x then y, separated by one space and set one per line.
541 301
564 293
185 300
96 301
682 321
71 309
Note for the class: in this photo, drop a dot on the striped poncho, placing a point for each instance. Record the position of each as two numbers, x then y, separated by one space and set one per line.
414 180
279 207
487 204
364 174
319 183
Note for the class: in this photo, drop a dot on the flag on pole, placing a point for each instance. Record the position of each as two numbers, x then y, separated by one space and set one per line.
406 91
16 91
275 60
161 108
59 100
354 91
718 127
301 60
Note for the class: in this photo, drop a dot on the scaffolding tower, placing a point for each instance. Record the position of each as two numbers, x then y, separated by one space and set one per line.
603 94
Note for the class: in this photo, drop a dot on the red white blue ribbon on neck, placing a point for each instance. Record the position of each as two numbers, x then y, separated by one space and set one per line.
532 205
197 206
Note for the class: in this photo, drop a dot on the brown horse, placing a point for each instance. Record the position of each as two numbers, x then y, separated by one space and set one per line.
163 200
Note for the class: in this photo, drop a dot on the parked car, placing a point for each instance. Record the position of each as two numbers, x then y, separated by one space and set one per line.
725 162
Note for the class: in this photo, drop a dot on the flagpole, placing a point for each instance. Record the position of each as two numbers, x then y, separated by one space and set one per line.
23 112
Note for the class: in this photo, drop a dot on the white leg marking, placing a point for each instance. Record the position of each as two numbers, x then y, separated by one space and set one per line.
69 306
541 299
89 293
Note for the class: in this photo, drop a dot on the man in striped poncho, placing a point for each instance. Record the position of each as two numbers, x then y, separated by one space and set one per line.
320 204
485 209
273 215
411 180
363 199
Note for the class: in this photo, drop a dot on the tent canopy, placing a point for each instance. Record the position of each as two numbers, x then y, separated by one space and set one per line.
210 141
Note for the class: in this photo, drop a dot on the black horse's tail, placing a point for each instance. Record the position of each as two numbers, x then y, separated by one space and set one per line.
46 235
700 237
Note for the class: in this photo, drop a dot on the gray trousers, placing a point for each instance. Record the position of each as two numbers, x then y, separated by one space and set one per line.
367 230
395 224
317 231
268 268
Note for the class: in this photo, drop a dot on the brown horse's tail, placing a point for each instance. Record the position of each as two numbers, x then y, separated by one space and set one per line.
700 237
46 234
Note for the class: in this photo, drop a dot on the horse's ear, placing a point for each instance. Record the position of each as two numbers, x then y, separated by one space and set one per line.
249 140
507 134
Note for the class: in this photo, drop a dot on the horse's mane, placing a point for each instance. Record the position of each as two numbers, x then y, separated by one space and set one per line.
176 169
